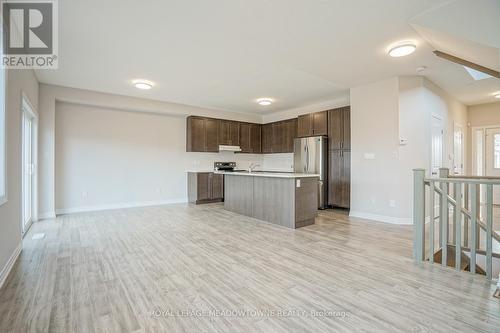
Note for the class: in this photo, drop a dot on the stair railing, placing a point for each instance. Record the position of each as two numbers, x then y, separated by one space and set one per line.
466 217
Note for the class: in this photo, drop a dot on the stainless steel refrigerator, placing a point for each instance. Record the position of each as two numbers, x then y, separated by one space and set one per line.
311 156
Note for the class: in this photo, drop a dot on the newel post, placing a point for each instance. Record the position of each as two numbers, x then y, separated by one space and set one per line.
418 215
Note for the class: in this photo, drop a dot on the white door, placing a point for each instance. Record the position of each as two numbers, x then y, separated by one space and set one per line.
437 134
492 155
458 150
28 175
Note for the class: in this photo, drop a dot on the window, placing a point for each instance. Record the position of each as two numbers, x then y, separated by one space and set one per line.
3 128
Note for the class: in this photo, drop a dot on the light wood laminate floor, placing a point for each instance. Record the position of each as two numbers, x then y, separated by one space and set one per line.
163 269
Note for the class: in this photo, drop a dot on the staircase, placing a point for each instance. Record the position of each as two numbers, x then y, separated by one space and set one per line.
464 260
451 227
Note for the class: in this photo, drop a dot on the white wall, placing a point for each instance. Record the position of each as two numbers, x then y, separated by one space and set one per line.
51 96
18 81
374 130
381 114
112 158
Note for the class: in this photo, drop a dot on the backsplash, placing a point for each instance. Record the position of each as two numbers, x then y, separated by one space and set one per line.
205 161
278 162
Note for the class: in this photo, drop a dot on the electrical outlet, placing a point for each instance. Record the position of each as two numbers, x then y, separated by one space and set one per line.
85 194
392 203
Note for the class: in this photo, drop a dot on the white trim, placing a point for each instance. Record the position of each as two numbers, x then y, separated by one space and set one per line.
5 196
382 218
47 215
10 263
119 206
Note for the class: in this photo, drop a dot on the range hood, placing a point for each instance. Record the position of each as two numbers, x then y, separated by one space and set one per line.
229 148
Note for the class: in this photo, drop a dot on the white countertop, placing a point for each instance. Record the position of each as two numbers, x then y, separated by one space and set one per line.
269 174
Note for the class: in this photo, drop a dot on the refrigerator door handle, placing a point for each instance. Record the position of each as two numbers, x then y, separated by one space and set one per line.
307 158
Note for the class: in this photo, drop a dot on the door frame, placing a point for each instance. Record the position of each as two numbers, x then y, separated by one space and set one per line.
443 137
474 147
462 167
27 107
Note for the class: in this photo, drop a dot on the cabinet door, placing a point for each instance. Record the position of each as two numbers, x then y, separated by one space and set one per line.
305 126
211 127
278 137
195 134
245 138
267 138
335 178
320 123
203 186
255 138
335 129
224 132
217 184
290 135
346 179
234 133
346 128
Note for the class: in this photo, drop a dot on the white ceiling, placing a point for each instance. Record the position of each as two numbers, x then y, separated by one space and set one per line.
224 54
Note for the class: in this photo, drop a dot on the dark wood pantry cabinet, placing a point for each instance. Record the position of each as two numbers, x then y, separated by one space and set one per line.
339 178
339 157
339 128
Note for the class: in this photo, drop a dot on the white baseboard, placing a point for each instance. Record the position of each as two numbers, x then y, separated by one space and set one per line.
10 263
382 218
97 208
46 215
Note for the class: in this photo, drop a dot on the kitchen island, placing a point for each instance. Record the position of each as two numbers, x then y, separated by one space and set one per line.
286 199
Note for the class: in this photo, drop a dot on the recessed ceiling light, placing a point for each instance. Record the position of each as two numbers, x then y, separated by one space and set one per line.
265 101
402 50
143 84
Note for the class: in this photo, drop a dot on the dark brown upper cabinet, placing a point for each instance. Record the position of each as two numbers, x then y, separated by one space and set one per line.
206 134
250 138
304 127
267 138
289 135
312 124
229 133
202 134
339 128
255 138
278 137
212 135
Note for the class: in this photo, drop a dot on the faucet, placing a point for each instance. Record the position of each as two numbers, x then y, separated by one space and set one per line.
253 166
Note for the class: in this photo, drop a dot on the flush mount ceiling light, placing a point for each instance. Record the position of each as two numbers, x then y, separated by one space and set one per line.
143 84
402 50
265 101
497 96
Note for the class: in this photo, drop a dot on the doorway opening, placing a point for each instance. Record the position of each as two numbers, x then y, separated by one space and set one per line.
29 165
437 139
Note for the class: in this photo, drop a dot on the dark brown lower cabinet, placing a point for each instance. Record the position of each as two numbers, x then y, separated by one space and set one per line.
339 178
205 187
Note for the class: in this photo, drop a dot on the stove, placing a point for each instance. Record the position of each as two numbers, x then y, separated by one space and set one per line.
225 166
